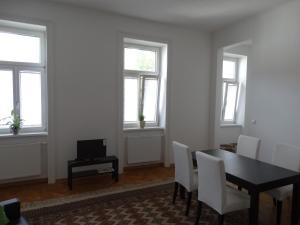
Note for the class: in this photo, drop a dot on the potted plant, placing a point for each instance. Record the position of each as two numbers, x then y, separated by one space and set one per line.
15 123
142 121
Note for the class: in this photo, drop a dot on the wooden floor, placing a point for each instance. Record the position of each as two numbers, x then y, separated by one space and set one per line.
42 191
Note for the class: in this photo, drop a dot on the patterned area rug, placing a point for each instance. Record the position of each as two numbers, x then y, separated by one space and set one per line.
149 206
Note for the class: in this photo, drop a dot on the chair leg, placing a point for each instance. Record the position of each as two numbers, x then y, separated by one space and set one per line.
274 201
278 216
239 188
249 215
221 219
182 192
175 192
198 212
189 198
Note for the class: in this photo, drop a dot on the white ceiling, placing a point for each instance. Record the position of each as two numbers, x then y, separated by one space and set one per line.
208 14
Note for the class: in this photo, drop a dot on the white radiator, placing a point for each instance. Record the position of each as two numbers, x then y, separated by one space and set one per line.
143 148
17 161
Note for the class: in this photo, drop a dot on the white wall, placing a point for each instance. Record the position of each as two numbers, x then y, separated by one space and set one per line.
239 49
273 81
85 75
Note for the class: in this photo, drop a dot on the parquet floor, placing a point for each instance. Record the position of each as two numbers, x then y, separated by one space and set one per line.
43 191
31 192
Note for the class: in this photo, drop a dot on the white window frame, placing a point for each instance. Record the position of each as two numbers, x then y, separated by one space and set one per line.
17 67
227 82
157 51
141 76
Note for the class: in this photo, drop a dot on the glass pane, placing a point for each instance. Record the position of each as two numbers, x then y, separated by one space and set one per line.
150 100
229 69
141 60
31 98
130 100
6 96
19 48
231 101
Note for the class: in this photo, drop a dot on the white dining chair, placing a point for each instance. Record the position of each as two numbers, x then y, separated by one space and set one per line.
286 156
248 146
185 175
212 189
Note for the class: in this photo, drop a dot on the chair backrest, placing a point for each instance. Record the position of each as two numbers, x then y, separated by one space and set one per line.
211 181
248 146
183 165
287 156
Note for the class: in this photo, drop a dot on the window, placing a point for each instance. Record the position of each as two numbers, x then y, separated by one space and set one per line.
23 77
230 89
141 84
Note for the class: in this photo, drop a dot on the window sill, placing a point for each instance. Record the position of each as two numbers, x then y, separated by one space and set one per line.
231 125
143 129
21 135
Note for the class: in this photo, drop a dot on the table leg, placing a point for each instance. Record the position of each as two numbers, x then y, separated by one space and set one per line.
70 178
295 204
254 207
116 170
182 192
113 174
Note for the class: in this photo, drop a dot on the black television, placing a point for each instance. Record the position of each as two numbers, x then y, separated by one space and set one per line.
91 149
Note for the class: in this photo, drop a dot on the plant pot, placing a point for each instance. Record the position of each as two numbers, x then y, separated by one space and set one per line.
142 124
14 130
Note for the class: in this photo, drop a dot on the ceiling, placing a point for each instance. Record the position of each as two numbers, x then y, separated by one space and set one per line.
207 14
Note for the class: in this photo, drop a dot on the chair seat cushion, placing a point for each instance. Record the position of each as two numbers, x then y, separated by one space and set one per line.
281 193
236 200
3 217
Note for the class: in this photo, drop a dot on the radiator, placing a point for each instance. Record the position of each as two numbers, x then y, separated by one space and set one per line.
143 148
18 161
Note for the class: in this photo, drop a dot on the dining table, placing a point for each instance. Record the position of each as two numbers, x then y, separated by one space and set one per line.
256 177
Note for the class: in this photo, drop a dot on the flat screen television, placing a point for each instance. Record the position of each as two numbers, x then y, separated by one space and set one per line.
91 149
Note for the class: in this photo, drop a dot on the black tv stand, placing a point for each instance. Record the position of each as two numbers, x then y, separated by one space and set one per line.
80 163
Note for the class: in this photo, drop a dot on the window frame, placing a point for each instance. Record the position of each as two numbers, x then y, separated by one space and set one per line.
31 33
227 82
157 51
236 61
141 76
17 67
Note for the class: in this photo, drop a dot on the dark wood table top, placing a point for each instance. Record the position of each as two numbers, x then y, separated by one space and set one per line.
250 173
